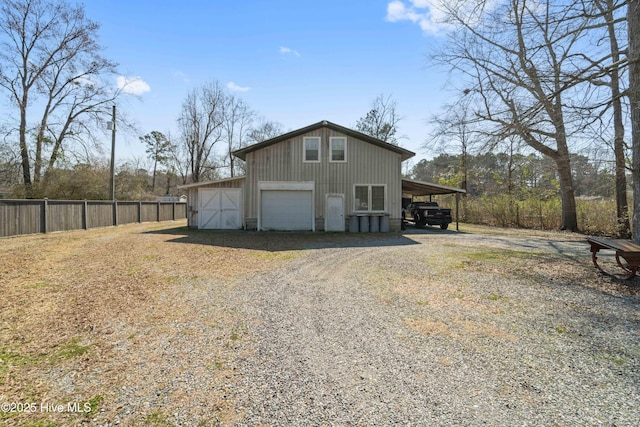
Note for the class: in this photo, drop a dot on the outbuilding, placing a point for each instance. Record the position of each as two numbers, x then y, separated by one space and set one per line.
316 178
216 205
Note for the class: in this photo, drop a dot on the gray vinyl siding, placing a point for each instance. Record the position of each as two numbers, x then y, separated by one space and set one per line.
366 164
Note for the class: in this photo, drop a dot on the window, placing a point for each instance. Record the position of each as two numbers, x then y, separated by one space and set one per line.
377 198
338 147
311 149
370 198
362 198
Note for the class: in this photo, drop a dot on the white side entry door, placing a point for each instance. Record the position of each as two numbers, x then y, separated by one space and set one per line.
334 219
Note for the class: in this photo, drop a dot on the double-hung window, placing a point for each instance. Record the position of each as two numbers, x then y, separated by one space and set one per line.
311 149
370 198
338 148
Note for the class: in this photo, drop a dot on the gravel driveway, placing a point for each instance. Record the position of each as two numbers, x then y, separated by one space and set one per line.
406 331
159 325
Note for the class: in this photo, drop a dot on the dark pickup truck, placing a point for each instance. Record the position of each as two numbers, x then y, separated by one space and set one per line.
423 213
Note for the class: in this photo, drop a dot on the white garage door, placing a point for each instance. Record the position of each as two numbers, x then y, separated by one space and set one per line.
219 208
286 210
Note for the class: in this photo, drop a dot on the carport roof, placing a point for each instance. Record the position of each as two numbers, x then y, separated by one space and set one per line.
421 188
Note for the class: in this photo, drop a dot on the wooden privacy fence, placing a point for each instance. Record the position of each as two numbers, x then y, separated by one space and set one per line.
43 216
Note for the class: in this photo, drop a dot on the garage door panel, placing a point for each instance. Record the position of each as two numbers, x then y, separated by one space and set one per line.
229 220
229 201
286 210
220 209
211 221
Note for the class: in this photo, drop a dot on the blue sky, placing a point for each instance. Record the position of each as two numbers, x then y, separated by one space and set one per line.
295 62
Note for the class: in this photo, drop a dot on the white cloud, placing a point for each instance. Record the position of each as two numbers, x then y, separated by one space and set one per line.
133 85
424 13
288 51
396 11
234 87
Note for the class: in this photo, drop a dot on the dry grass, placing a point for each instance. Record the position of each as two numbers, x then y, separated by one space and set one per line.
465 288
118 317
96 307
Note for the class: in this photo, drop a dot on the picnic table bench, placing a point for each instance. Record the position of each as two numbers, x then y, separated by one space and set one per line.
625 249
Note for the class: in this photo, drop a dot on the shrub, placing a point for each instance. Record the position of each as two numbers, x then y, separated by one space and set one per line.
595 216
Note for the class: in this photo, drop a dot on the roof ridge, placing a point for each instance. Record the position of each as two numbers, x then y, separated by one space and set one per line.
406 154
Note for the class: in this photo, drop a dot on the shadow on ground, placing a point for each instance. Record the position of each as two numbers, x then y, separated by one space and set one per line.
274 241
411 228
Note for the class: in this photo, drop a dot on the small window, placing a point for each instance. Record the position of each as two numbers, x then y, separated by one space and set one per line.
338 147
311 149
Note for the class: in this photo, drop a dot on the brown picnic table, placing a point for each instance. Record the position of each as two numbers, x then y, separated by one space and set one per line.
625 249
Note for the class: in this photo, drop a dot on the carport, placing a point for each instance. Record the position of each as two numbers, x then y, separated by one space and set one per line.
413 188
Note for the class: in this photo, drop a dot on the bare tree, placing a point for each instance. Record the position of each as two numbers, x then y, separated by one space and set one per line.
179 159
264 129
49 53
201 125
237 121
456 129
381 121
609 15
9 164
633 29
522 59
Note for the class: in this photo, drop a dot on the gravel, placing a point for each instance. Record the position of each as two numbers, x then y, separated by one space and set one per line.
409 330
187 328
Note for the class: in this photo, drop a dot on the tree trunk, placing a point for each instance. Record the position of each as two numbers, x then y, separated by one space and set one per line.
567 194
622 206
155 168
37 163
633 29
24 150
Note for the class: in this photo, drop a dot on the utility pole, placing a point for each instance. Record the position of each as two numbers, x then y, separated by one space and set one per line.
113 153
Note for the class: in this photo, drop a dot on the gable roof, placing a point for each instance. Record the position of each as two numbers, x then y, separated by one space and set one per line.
404 154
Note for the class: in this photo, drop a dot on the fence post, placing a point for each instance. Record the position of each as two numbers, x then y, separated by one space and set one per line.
45 215
26 214
457 211
85 220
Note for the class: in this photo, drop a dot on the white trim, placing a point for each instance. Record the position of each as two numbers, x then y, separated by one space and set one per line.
304 149
370 197
326 208
288 186
331 149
